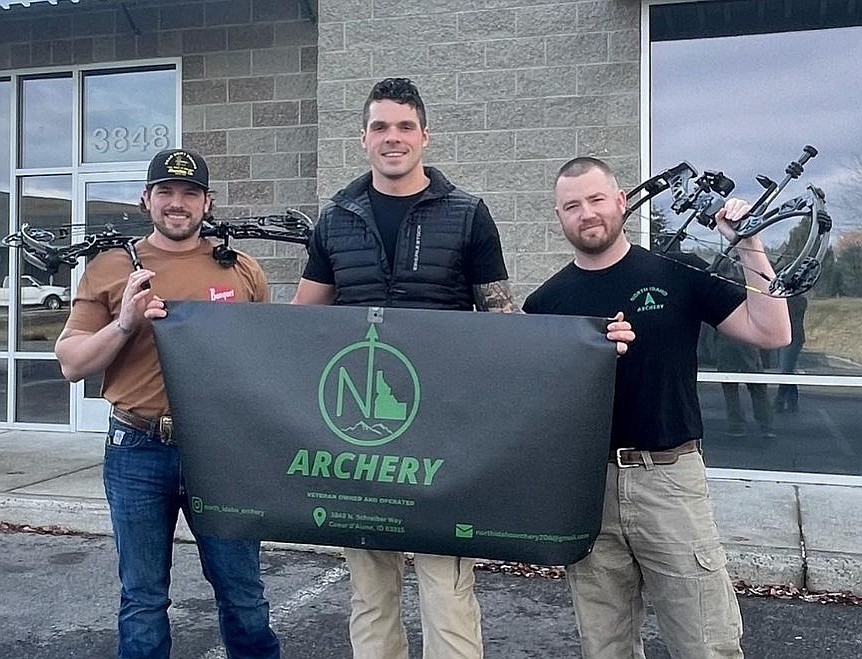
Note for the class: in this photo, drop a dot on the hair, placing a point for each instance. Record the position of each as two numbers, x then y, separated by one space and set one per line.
581 165
400 90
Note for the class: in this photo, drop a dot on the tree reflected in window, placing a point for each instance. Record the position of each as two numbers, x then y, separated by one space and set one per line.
745 105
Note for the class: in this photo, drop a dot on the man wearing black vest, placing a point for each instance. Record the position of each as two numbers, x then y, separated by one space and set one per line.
403 236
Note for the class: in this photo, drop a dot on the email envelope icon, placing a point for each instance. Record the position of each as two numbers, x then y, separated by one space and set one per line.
463 530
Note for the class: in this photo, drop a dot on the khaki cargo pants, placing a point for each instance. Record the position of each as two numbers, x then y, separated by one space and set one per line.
447 605
658 536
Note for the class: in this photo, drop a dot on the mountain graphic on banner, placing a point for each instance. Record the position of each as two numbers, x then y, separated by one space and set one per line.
377 430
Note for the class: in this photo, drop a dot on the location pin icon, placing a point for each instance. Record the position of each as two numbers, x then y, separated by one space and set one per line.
319 515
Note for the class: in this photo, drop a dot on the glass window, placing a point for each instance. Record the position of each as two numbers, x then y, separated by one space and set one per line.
116 203
93 386
741 91
43 393
128 116
4 374
46 122
810 429
5 150
5 187
43 297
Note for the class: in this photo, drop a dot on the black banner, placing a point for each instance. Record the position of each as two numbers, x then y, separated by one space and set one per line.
457 433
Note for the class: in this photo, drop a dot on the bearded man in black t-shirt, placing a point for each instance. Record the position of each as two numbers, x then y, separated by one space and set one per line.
658 534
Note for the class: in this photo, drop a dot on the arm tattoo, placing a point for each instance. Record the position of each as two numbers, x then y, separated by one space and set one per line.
495 296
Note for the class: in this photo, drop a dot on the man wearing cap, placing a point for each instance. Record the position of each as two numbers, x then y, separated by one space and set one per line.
108 333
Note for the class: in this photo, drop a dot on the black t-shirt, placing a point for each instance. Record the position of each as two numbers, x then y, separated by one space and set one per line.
655 403
389 212
483 262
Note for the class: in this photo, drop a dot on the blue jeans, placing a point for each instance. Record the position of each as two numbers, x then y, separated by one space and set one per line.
144 487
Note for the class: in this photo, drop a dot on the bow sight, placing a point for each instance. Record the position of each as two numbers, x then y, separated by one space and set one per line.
38 249
704 196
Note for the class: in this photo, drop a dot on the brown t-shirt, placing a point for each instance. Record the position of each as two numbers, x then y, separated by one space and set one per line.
134 381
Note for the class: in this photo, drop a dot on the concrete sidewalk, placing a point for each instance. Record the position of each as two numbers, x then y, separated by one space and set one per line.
774 533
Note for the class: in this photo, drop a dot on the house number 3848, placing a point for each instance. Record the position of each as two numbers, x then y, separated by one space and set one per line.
122 138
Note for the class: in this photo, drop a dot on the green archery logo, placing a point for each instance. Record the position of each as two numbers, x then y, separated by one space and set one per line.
368 393
653 298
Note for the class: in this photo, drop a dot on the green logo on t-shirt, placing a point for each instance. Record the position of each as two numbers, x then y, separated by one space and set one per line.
649 298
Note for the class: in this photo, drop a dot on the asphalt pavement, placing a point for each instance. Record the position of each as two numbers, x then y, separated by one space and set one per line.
60 596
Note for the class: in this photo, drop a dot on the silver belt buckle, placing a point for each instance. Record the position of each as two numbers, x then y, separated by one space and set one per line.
166 429
620 459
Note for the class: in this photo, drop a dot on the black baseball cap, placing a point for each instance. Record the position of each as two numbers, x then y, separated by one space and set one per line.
178 165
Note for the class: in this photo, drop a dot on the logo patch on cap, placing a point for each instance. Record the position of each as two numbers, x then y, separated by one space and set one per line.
180 163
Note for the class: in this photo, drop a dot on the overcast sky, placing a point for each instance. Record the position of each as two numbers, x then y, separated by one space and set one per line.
747 105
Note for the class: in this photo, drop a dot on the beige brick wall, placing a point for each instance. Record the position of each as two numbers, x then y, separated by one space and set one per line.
514 88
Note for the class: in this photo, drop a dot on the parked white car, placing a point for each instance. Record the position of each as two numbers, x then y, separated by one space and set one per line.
35 293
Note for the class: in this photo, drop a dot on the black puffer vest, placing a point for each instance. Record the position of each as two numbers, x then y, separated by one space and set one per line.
429 266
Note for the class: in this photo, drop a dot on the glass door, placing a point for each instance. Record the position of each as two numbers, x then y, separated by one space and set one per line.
108 200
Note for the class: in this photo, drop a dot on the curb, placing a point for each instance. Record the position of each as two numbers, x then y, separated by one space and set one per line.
816 571
92 517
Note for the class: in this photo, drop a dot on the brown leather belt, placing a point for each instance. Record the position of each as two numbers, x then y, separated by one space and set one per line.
630 457
160 427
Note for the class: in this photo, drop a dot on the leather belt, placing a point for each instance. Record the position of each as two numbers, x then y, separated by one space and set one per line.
160 427
631 457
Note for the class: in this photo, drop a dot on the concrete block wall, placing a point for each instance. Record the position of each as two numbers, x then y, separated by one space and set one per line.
249 91
513 88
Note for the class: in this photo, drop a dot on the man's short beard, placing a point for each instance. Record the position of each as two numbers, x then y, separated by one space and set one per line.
593 248
178 236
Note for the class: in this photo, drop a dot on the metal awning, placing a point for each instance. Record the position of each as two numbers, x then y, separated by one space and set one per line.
309 5
8 4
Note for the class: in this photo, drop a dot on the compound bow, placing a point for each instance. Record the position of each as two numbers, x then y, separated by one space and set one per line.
703 196
38 249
